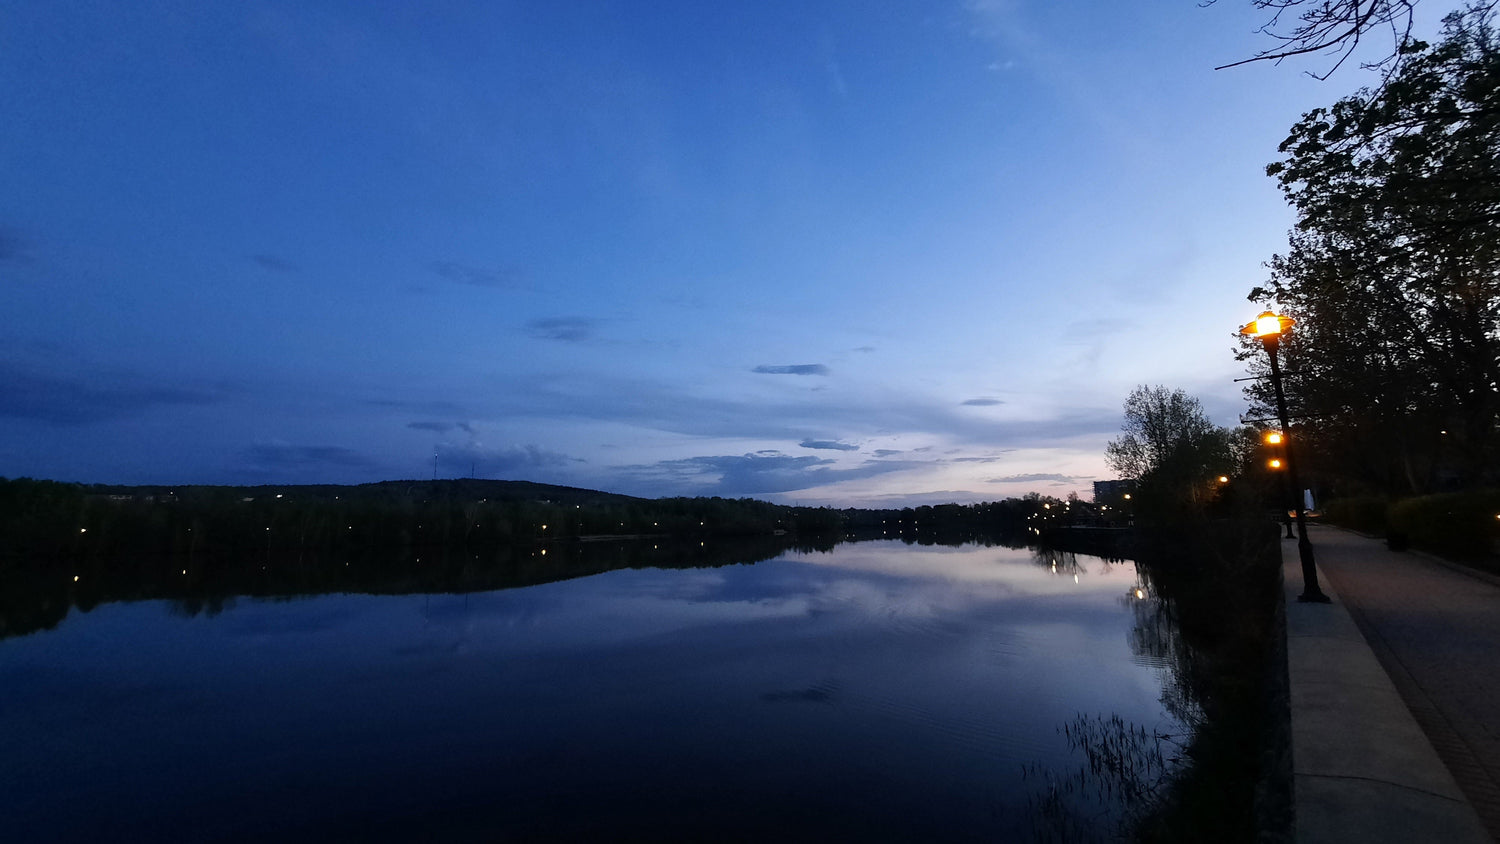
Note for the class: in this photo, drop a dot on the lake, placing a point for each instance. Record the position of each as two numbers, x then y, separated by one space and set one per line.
879 691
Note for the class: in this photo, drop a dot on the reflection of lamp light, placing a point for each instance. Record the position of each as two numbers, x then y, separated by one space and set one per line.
1275 463
1268 328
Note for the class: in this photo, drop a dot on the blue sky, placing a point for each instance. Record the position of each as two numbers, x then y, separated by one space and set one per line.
848 253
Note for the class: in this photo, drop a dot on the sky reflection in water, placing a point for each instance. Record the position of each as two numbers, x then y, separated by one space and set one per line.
880 691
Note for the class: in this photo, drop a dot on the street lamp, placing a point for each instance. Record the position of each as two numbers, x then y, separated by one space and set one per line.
1274 438
1268 328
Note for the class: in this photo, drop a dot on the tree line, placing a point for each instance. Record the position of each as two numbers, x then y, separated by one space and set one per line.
1392 273
50 519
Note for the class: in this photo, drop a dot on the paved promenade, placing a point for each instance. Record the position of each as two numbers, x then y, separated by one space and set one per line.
1408 641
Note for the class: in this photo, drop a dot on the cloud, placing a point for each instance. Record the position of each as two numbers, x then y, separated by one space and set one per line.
482 461
836 82
433 408
565 329
57 400
274 263
747 474
659 405
441 427
834 445
796 369
990 459
982 402
476 276
1035 477
281 456
887 452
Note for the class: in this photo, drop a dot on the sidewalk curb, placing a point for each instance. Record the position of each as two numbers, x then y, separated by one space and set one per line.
1362 769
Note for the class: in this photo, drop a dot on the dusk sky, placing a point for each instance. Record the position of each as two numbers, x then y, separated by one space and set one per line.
846 253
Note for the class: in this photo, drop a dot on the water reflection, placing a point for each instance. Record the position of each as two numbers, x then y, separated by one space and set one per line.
879 691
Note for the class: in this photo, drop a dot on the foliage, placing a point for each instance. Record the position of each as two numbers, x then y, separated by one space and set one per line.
1393 272
1337 28
1460 525
1171 449
1364 513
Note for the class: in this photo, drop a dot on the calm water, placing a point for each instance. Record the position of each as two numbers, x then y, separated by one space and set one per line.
877 692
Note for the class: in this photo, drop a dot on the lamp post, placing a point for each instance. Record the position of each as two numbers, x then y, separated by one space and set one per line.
1268 328
1274 438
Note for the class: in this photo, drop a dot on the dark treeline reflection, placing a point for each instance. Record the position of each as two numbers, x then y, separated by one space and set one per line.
1204 608
37 593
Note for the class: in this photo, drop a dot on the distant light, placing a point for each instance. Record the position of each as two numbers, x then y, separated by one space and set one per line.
75 578
544 552
83 530
1075 578
1127 496
544 527
1140 594
184 571
278 495
1275 463
1223 479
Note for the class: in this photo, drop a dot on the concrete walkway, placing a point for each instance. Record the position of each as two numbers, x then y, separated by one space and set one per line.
1435 627
1363 769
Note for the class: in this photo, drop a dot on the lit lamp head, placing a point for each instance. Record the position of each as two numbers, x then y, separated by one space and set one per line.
1273 438
1268 328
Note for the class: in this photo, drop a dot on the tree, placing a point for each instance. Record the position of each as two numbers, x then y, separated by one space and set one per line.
1170 448
1393 269
1335 28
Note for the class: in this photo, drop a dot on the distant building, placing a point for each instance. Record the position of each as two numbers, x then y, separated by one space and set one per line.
1105 491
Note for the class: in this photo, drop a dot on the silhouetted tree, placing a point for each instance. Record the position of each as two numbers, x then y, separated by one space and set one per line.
1171 448
1337 28
1393 269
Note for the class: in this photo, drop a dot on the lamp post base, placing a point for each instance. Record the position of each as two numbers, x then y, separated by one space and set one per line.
1311 594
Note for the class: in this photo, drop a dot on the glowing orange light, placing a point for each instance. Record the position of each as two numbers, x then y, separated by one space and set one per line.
1275 463
1268 324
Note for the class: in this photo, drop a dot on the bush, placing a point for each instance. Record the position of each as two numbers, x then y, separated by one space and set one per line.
1364 513
1460 525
